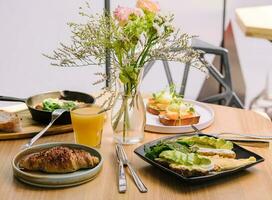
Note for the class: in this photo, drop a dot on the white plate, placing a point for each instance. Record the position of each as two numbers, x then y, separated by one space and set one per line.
206 119
56 180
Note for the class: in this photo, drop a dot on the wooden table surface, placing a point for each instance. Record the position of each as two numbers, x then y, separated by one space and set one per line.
256 21
254 183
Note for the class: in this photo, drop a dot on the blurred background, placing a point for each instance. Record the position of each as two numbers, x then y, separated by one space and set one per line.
32 27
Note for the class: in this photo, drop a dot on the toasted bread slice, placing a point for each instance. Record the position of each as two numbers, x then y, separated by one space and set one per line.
181 122
226 153
153 111
187 171
9 122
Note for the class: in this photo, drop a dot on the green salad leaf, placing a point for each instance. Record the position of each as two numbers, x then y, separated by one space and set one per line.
68 105
154 151
53 104
50 105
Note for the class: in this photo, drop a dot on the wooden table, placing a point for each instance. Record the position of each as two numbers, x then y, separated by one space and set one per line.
255 183
256 21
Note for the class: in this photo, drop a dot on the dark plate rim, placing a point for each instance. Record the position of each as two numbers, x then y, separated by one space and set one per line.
139 149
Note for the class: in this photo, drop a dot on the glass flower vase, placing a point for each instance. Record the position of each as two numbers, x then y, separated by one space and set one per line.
128 117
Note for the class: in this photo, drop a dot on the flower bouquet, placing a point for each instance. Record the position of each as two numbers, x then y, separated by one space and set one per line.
132 37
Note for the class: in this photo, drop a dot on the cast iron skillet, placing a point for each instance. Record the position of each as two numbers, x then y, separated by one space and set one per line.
45 116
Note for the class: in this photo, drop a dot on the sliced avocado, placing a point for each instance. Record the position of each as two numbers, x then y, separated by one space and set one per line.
207 142
173 156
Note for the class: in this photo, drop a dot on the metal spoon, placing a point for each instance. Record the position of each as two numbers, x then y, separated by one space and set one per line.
54 116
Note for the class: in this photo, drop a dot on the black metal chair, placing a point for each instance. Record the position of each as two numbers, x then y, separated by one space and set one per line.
226 96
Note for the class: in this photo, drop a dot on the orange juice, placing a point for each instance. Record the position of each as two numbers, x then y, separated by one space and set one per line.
88 125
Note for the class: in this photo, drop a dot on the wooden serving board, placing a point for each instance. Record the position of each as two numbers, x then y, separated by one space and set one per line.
31 127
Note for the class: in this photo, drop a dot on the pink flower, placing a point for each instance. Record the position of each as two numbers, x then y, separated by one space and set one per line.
148 5
138 12
122 14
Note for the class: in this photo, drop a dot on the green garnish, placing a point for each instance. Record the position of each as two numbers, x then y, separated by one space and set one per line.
191 110
175 97
53 104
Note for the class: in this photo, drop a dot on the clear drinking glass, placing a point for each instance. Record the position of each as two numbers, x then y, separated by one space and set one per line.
88 125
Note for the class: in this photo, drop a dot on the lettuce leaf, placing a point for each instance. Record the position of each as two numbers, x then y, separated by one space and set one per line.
154 151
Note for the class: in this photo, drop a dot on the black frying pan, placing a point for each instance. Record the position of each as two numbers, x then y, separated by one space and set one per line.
45 116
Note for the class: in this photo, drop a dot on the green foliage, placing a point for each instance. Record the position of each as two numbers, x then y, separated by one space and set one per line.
143 38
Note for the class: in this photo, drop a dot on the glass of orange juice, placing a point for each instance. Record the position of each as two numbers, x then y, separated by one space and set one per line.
88 125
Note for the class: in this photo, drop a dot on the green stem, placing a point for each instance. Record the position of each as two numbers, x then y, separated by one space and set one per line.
145 51
118 116
125 120
123 112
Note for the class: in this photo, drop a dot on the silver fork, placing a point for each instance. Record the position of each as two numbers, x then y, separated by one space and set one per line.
246 135
249 140
140 185
54 116
237 134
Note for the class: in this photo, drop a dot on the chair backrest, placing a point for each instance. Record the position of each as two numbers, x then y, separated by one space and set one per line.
225 95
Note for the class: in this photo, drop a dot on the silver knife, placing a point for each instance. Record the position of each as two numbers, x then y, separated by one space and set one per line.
122 182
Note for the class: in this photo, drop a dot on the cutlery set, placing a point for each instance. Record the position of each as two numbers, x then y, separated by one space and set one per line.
123 162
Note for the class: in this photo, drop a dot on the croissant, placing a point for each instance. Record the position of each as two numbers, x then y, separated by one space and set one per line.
58 160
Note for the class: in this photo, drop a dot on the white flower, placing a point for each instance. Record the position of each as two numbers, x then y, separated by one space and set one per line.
142 39
158 29
140 44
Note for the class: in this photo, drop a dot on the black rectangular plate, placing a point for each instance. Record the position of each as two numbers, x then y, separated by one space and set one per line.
240 153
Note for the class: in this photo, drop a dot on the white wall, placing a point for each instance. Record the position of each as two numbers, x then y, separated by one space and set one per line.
32 27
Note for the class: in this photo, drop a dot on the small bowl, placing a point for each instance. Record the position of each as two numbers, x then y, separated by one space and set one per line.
41 179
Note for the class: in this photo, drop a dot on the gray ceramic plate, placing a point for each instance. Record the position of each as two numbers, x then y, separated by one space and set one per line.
56 180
